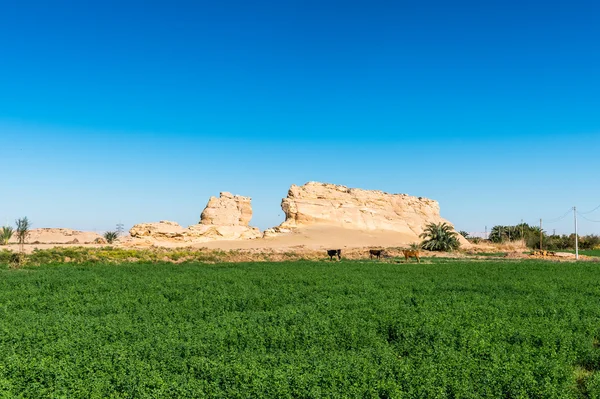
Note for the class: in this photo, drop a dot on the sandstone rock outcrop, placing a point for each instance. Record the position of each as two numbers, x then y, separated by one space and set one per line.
224 218
333 205
227 210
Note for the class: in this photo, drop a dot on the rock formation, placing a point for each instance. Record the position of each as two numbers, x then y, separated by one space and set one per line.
227 210
224 218
353 208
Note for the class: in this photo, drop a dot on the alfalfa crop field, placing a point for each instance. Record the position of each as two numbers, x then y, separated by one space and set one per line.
445 328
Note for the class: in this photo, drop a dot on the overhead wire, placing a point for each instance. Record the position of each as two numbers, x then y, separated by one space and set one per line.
558 218
588 219
585 213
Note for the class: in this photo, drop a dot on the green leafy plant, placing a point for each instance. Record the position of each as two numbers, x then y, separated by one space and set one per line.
464 233
439 237
415 246
6 234
111 236
475 240
23 227
155 329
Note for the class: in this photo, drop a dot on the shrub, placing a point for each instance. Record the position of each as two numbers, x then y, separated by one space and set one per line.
111 236
6 234
439 237
464 233
415 246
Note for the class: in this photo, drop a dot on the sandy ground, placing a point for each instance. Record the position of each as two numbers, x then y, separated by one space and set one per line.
312 242
312 238
323 237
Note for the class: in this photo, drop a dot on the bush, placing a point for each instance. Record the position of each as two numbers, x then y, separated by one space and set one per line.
6 234
415 246
111 236
440 237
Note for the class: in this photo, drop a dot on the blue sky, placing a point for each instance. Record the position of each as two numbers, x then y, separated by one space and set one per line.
131 111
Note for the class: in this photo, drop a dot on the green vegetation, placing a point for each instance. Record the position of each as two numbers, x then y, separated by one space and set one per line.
111 236
523 231
23 227
109 254
441 329
439 237
6 234
588 252
531 235
492 254
414 246
475 240
464 233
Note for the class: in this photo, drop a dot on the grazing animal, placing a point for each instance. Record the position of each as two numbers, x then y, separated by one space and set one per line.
408 253
334 252
375 252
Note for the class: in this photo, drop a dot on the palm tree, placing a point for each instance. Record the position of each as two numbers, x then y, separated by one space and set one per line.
5 234
498 234
464 233
111 236
23 226
439 237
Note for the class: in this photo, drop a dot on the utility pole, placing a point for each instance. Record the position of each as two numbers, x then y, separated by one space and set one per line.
486 236
522 232
576 238
541 234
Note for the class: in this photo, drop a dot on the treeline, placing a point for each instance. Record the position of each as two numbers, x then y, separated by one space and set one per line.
531 235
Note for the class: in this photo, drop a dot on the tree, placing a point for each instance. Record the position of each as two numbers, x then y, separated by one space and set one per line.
464 233
498 234
111 236
23 227
6 234
439 237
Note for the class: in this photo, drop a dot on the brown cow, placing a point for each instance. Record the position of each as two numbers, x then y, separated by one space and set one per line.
409 253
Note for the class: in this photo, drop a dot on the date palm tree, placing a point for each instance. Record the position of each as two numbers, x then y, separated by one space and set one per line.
111 236
439 237
23 227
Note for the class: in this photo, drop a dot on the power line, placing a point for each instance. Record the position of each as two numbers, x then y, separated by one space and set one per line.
585 213
588 219
559 218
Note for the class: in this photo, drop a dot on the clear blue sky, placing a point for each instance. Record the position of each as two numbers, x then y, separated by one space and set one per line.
138 111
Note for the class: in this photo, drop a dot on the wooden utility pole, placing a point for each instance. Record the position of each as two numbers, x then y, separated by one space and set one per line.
522 232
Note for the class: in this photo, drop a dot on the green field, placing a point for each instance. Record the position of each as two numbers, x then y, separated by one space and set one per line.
441 329
588 252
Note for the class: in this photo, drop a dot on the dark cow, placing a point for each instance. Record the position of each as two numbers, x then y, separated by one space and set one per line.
375 252
334 252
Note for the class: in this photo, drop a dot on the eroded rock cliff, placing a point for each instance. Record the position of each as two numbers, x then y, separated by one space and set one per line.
317 203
